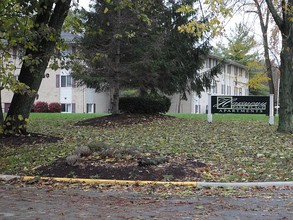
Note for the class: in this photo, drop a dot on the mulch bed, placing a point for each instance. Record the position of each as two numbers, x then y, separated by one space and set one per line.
30 139
123 120
176 169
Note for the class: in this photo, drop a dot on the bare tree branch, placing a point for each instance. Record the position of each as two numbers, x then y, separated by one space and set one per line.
279 21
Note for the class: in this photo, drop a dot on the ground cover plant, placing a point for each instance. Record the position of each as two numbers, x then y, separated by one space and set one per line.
185 147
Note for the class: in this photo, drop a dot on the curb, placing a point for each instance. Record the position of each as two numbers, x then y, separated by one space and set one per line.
98 181
139 182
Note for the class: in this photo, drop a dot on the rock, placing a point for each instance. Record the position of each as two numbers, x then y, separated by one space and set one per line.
151 161
73 160
83 151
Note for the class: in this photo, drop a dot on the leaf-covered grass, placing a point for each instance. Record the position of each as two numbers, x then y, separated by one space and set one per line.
236 148
63 116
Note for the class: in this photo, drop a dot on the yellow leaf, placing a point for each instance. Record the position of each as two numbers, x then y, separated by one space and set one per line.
20 118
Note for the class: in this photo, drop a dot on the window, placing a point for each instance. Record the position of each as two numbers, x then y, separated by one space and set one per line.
229 69
235 91
223 89
240 91
215 89
246 74
236 69
210 63
57 81
215 63
90 108
66 108
66 81
228 90
240 72
197 108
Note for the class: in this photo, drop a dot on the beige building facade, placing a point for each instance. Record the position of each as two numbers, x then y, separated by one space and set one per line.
59 86
233 80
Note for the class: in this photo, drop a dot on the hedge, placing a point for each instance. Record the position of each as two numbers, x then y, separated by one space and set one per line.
151 104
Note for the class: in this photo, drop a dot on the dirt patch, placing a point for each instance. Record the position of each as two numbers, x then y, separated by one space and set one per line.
123 119
175 169
30 139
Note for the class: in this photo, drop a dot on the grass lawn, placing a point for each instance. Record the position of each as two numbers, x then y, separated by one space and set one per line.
236 147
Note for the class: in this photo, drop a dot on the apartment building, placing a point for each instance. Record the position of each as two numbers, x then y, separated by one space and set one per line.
59 86
233 80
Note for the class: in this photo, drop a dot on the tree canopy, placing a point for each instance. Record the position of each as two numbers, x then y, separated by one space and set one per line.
120 49
35 27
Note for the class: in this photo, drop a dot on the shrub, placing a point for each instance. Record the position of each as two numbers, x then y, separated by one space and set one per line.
40 107
150 104
55 107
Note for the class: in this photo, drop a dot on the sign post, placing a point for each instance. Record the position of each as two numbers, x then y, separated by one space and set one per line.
271 120
210 116
241 105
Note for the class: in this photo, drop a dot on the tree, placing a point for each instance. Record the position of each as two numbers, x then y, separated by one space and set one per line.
284 21
240 46
105 44
184 53
10 16
264 24
282 16
241 49
153 55
45 18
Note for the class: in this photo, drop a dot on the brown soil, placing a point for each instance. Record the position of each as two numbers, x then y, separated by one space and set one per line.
176 169
123 119
172 169
30 139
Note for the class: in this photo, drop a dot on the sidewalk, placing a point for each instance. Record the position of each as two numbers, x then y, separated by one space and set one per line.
33 203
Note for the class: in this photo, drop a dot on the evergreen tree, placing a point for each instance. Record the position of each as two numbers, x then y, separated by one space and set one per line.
184 54
241 49
111 47
123 48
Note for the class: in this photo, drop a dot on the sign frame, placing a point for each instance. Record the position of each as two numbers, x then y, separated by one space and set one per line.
253 105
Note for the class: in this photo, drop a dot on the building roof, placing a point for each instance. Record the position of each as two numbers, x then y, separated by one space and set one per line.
228 61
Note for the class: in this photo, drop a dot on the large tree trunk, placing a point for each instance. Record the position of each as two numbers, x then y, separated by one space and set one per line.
21 104
286 85
286 80
52 15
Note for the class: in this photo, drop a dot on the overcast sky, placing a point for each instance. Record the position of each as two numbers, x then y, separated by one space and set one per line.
84 3
240 16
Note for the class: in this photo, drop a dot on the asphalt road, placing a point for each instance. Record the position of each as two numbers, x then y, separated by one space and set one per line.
19 202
